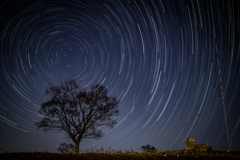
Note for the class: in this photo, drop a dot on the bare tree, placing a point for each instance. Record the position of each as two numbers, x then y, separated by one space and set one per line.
78 112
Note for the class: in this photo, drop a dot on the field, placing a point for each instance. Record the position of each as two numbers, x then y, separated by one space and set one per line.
123 155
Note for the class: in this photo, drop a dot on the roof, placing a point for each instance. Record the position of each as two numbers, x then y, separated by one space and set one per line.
201 144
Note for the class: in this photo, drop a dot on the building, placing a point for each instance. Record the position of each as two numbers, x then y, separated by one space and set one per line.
202 147
190 143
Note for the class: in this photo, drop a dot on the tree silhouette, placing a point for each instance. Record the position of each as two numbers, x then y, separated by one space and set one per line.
66 148
148 148
78 112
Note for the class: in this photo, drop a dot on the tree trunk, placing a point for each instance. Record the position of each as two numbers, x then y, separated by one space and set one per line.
77 147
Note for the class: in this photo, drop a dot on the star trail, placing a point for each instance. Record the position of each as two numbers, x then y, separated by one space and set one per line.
173 64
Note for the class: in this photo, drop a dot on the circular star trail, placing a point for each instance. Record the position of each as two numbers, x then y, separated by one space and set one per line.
174 66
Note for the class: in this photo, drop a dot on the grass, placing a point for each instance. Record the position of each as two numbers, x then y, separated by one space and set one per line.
122 155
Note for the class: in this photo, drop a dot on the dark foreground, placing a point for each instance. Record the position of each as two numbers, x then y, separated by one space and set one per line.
108 156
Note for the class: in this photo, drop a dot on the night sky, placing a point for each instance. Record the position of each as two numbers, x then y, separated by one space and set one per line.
173 64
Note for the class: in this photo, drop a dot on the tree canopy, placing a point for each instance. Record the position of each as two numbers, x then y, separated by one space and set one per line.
148 148
78 112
